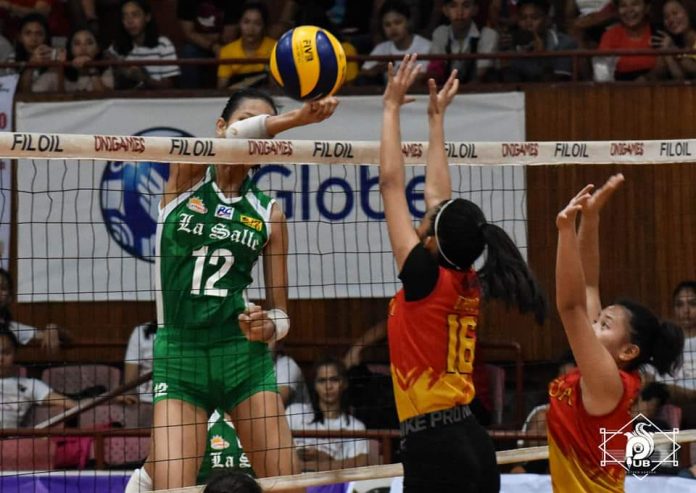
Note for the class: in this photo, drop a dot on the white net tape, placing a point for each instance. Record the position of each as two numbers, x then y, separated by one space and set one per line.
213 151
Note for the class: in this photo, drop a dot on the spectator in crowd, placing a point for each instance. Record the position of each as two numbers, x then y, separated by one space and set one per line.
680 32
394 18
316 17
18 394
232 482
534 34
82 48
425 16
253 43
207 25
502 15
291 383
328 411
138 361
33 46
462 35
13 11
586 20
632 32
6 53
49 337
682 387
138 39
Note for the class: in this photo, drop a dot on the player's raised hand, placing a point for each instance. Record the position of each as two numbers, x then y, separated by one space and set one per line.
566 218
255 324
439 101
594 204
399 83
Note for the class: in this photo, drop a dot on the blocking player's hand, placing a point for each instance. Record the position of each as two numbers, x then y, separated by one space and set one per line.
255 324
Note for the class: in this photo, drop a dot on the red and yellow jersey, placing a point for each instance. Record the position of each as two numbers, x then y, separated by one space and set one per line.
432 345
575 438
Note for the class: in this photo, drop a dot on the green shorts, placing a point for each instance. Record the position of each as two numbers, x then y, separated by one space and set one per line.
207 375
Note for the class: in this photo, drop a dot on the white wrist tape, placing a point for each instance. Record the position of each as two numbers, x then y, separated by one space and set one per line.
249 128
281 322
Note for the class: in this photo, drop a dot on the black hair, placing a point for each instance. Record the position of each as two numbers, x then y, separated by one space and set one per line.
259 7
123 43
394 6
655 390
542 5
462 235
7 332
314 396
150 329
661 343
5 314
21 53
683 286
71 73
231 482
249 93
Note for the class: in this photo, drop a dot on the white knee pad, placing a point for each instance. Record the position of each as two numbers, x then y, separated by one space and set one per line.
139 482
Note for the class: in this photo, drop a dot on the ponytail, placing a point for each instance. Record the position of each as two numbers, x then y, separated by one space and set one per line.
506 276
661 343
462 234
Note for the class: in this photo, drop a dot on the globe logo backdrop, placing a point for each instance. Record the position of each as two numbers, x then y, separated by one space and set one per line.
130 193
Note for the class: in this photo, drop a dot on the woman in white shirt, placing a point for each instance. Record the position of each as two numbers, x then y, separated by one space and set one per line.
328 411
49 337
395 21
19 394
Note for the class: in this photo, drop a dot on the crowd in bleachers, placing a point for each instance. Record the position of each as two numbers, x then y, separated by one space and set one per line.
78 32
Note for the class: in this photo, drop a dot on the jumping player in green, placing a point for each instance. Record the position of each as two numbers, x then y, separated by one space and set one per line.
211 349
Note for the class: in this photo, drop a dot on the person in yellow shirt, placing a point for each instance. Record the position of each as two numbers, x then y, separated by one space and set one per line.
252 43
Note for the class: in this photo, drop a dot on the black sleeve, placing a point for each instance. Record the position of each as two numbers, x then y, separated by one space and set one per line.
419 274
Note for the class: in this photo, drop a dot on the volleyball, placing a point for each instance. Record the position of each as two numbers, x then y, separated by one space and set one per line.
309 63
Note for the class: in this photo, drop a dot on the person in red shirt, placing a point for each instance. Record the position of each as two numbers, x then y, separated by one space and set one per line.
633 32
432 326
610 345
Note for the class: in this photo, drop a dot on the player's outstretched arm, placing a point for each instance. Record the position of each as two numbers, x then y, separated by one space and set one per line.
438 186
600 382
273 323
588 239
311 112
391 162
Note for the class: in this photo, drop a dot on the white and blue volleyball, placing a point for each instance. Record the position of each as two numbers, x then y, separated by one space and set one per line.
309 63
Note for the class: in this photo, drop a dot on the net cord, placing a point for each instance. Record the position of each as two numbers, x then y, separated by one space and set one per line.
18 145
514 456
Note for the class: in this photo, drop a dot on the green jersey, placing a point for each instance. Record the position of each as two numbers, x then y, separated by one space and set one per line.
207 245
223 449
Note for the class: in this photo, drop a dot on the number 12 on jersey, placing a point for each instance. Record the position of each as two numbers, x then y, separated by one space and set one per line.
462 341
201 255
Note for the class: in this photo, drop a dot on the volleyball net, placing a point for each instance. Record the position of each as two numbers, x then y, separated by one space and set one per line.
83 258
